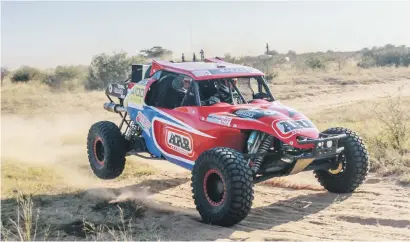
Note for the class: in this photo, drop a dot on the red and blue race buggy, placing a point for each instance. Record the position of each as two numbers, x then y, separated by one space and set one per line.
221 121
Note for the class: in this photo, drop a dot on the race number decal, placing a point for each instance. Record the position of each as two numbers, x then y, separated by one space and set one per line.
179 141
135 98
287 126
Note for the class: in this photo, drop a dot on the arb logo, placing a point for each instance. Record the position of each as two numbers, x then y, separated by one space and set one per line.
179 141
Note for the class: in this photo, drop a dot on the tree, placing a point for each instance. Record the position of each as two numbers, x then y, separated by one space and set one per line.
155 52
4 72
27 73
105 69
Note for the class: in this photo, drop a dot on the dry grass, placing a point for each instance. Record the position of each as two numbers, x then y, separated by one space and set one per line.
293 83
40 178
33 179
28 223
383 124
35 98
348 75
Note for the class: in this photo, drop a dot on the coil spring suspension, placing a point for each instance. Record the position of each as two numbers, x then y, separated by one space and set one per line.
133 131
264 147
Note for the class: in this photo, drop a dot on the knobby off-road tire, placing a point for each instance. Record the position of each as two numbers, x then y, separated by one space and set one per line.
106 150
355 168
226 167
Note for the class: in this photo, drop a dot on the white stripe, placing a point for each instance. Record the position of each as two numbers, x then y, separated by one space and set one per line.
133 105
182 124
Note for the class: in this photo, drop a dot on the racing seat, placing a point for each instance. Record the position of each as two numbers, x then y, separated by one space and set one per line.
168 97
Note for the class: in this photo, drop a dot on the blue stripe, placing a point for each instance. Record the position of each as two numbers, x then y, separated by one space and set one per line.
179 163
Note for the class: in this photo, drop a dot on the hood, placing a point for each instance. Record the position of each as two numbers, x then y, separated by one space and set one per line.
274 118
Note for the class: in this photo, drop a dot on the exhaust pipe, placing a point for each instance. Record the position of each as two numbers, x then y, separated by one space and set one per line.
115 108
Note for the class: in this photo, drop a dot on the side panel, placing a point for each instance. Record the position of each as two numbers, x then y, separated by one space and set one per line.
180 136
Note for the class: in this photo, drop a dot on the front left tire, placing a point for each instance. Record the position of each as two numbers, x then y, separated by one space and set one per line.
222 186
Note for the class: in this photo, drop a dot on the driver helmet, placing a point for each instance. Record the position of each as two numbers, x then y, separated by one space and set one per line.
181 83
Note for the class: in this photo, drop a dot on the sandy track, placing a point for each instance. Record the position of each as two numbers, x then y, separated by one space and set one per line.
376 211
348 95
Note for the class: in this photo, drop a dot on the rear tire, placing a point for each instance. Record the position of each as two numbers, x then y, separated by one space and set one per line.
222 186
354 164
106 148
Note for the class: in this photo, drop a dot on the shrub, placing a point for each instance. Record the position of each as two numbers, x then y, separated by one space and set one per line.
26 73
314 62
105 69
66 76
388 55
394 118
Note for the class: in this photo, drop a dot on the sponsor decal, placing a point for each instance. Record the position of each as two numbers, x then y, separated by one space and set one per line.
255 113
231 70
179 141
222 120
143 122
228 70
202 73
287 126
117 90
135 97
247 113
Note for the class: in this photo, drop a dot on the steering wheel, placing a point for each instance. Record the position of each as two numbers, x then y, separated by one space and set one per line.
260 95
210 101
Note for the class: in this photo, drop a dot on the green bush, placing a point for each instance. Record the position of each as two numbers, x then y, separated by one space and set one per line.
105 69
388 55
314 63
66 75
26 73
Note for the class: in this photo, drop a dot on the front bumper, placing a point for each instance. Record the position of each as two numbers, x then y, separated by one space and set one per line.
321 150
324 147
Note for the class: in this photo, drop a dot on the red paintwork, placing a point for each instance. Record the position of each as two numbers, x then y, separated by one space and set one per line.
224 135
187 68
264 124
231 136
130 85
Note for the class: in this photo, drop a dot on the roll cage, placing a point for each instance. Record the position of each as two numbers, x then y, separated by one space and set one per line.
226 89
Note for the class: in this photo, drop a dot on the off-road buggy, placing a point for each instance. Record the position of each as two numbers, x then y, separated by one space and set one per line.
220 121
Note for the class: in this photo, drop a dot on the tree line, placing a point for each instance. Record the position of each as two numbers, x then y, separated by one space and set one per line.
116 67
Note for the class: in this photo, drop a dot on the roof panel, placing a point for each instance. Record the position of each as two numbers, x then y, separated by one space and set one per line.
210 70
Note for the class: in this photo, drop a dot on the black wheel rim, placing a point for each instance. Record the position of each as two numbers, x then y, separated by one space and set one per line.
214 187
99 151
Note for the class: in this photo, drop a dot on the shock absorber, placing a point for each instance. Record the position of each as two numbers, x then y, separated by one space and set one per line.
264 147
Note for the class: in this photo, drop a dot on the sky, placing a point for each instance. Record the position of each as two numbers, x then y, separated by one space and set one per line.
50 33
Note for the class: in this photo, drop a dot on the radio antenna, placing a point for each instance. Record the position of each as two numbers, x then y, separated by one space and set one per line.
190 35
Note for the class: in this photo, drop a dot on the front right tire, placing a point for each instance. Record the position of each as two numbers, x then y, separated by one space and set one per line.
354 164
222 186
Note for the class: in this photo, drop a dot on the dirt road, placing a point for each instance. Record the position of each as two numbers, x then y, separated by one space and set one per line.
296 209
